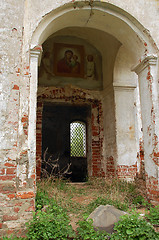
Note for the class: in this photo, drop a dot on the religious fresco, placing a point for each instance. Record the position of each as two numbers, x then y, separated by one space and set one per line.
66 61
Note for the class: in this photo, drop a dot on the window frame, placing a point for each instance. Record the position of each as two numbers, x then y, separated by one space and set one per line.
83 123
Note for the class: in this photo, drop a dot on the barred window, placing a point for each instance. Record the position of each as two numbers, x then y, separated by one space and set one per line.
78 139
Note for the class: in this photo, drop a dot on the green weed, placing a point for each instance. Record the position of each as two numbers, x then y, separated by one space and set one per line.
153 216
86 231
134 227
51 224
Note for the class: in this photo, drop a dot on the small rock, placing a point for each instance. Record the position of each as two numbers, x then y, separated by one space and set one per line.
104 217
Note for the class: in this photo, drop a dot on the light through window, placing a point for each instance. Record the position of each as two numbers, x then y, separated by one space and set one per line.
78 139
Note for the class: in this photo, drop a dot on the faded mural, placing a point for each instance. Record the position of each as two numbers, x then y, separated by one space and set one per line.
70 61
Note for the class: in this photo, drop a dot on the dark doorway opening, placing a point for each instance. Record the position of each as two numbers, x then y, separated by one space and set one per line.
56 141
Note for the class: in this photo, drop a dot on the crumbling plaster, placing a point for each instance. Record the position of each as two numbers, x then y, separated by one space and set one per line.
37 10
136 43
130 27
48 19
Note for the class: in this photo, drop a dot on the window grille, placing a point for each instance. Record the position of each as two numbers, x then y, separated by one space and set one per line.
78 139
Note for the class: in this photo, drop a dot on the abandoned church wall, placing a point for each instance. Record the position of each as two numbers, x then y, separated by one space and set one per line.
38 10
146 12
146 71
16 204
19 31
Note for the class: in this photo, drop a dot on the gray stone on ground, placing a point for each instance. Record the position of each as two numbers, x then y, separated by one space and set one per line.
104 217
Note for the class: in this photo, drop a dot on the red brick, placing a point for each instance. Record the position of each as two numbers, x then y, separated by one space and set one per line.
9 164
24 119
16 87
10 231
38 134
25 124
10 217
154 192
4 178
10 171
30 209
33 176
95 128
19 204
16 209
25 195
2 171
11 196
96 151
24 152
95 133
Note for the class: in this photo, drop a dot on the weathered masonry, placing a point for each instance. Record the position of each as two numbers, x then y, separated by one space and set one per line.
72 65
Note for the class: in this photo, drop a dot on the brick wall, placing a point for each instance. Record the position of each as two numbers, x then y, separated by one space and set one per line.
39 138
127 172
152 186
16 189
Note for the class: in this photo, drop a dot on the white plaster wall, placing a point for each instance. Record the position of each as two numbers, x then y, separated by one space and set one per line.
138 124
118 28
11 23
145 11
128 116
123 67
150 117
125 125
109 122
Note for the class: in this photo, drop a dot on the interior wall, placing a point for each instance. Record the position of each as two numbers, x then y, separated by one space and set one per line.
106 47
109 122
123 65
128 118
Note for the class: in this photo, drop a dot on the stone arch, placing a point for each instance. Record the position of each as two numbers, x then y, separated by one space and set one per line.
131 35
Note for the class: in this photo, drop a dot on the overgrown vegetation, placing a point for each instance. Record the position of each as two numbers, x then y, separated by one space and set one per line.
53 223
86 231
133 227
153 216
62 209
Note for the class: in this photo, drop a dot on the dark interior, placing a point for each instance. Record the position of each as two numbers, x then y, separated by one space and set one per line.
56 141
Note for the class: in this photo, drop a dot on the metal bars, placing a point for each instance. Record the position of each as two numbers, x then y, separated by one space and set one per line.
78 139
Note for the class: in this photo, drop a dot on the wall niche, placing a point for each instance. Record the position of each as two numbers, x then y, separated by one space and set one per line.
68 60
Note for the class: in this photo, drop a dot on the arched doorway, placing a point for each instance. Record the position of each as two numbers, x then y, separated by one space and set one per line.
97 23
